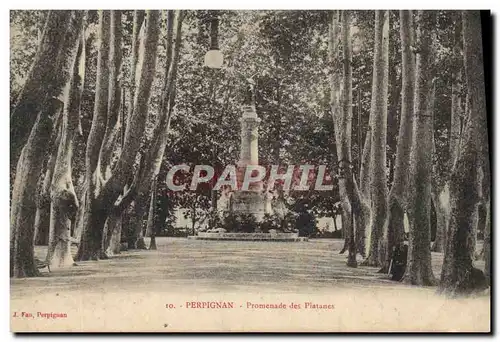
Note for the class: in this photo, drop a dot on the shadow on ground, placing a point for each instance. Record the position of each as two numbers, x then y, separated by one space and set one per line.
207 266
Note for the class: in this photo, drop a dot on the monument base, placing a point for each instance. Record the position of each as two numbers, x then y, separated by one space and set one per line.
283 237
249 202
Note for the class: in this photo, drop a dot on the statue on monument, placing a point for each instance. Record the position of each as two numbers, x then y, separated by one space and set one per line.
249 95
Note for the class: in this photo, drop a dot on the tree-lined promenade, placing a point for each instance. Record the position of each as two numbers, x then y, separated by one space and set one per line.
269 273
378 117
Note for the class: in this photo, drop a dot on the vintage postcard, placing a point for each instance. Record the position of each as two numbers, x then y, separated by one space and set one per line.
250 171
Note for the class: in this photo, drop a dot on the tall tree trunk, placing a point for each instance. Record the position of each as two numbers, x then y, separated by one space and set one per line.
362 234
139 16
30 163
397 202
113 120
114 234
154 155
353 210
114 95
23 207
378 114
442 201
42 217
44 71
136 216
419 268
90 238
347 183
481 224
458 274
134 58
151 228
77 232
443 194
103 193
64 202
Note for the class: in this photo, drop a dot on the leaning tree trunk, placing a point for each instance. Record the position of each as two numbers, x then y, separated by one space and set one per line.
481 224
458 274
114 95
30 163
113 231
443 207
43 80
90 243
113 119
154 155
378 114
337 116
353 209
112 234
340 133
419 268
113 227
136 219
362 235
394 223
23 207
134 57
42 217
344 152
116 224
150 228
442 203
64 202
103 193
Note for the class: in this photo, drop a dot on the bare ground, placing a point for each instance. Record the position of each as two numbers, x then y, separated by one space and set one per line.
95 293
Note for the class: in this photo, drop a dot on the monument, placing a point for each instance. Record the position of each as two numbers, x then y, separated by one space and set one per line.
253 201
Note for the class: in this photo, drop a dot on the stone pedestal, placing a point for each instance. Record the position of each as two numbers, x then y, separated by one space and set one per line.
249 149
249 202
252 201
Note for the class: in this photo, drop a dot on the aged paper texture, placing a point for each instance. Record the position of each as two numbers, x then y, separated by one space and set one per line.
250 171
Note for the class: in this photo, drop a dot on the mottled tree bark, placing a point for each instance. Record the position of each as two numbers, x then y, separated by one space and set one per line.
115 226
113 121
397 202
362 231
458 275
102 193
419 268
88 248
442 194
42 217
113 230
30 163
44 71
344 155
442 201
138 22
136 214
23 207
341 107
378 115
150 228
114 95
154 154
64 202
